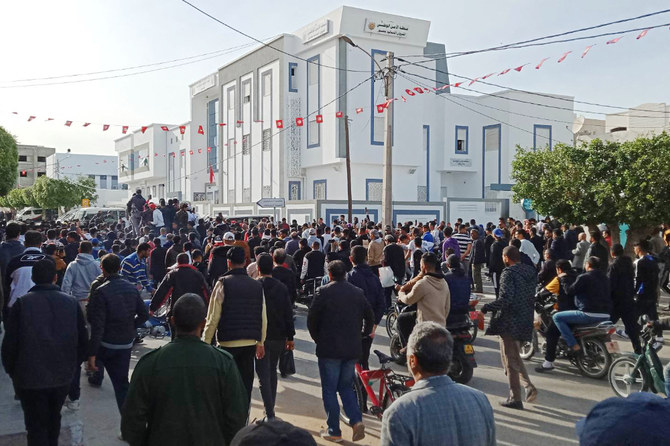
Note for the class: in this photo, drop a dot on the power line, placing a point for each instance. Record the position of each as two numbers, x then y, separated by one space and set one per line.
265 44
113 70
551 36
539 94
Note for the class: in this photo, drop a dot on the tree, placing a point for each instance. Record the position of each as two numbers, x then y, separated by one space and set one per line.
9 162
599 182
52 193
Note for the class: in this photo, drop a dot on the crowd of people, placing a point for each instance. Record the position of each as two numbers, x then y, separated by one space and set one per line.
75 294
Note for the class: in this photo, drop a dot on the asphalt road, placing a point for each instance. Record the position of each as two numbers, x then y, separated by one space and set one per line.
564 396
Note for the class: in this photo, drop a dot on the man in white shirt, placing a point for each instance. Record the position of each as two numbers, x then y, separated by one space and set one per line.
527 246
157 217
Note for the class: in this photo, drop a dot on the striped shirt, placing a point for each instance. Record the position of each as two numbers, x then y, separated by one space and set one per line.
463 241
134 270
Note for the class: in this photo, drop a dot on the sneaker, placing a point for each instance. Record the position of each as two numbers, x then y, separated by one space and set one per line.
659 339
359 431
72 405
622 334
531 394
543 369
511 404
334 438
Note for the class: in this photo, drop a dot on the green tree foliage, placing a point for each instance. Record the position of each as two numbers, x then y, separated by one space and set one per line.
51 193
599 182
9 162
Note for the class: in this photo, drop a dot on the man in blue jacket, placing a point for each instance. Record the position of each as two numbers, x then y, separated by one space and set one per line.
45 342
363 277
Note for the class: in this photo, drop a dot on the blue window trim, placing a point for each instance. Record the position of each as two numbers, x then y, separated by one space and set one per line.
291 183
332 212
373 106
212 135
427 127
499 127
325 183
541 126
369 181
292 88
467 139
317 60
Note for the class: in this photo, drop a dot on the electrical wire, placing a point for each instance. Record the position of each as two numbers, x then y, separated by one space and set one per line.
265 44
537 39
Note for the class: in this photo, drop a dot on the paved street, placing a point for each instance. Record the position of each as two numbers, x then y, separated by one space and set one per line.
564 396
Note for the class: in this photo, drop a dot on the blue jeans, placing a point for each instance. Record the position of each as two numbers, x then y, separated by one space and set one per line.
337 376
666 377
564 319
117 363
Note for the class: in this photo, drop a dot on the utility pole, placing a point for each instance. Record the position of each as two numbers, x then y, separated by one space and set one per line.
387 178
348 162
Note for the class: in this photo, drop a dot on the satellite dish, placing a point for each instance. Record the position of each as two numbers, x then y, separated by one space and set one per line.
578 124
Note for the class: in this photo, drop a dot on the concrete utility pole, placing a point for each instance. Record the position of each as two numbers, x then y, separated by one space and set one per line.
387 179
348 162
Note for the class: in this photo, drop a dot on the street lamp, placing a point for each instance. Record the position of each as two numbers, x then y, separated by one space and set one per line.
387 193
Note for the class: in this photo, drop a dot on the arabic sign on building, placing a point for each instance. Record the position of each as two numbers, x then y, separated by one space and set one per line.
315 30
204 83
386 28
460 162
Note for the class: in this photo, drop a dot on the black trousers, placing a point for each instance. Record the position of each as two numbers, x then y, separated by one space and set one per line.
495 278
626 312
552 336
117 363
406 323
41 412
244 358
648 307
365 356
266 369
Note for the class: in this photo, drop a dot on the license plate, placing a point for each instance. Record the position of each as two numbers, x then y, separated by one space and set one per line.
469 350
612 347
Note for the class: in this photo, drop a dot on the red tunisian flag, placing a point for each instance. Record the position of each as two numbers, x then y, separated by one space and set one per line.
211 174
164 128
124 129
105 127
200 130
182 129
68 123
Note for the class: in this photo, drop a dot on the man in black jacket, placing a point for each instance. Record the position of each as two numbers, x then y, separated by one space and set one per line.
45 342
284 274
394 256
646 283
496 264
621 274
237 315
314 263
157 262
179 281
598 249
338 316
218 260
113 312
280 332
478 259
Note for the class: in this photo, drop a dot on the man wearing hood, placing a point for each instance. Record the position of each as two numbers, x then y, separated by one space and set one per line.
430 292
79 275
514 323
496 264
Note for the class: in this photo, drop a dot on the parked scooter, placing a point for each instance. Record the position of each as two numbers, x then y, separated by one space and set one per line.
463 360
595 341
157 324
639 373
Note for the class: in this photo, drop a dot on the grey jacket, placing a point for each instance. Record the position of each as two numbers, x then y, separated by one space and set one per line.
79 275
580 254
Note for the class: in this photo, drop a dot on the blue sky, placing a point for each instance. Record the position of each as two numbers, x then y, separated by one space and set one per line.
46 38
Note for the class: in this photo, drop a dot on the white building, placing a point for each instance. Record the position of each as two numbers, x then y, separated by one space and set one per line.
102 169
32 163
452 153
643 120
163 163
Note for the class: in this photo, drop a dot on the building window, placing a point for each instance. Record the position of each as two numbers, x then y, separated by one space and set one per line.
247 93
320 191
373 189
103 181
267 191
41 159
313 100
23 158
461 140
541 136
213 134
377 121
231 99
246 144
267 84
246 195
292 77
124 187
115 182
267 140
294 190
41 174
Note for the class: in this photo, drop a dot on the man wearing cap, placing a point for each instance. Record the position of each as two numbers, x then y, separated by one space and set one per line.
237 316
375 251
313 238
186 392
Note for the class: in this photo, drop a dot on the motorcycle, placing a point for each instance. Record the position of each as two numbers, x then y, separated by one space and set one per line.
639 373
157 324
595 358
463 359
308 290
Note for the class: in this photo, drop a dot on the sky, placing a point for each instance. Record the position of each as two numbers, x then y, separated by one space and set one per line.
43 38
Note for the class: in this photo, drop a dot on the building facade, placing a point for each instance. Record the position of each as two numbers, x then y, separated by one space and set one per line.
445 145
102 169
32 163
644 120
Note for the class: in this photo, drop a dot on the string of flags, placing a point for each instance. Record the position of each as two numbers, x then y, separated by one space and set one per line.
380 108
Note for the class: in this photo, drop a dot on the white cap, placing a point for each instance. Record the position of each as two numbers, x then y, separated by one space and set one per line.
229 236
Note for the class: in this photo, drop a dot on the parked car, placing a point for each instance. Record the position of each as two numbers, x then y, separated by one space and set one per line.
84 215
36 215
